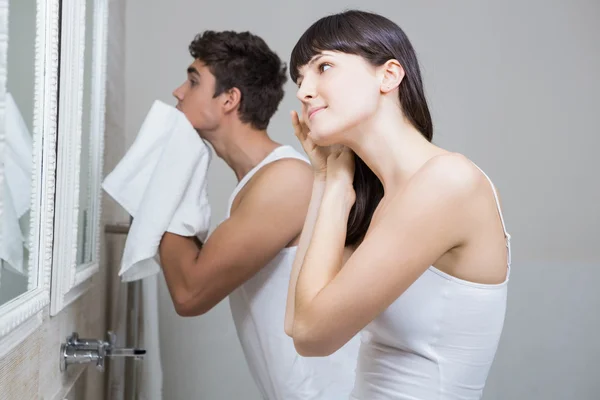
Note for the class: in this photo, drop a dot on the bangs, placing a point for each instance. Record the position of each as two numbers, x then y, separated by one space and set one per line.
331 33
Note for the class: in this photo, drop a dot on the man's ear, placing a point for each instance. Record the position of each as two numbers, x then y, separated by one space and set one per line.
231 99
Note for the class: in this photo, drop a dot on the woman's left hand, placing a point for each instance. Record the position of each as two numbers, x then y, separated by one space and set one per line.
340 171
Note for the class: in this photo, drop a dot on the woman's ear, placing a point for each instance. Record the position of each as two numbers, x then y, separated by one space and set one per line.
392 74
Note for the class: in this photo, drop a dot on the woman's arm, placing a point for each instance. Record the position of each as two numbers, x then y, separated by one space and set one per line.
333 304
318 160
318 190
323 258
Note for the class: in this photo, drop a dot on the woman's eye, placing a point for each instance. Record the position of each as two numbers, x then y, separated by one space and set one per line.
323 67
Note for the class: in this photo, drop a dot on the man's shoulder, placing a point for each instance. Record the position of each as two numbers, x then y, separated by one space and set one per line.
284 172
278 180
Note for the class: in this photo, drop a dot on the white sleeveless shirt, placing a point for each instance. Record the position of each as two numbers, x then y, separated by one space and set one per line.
258 310
437 341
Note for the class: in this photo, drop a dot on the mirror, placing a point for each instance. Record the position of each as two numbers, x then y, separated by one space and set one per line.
85 231
79 150
28 113
16 152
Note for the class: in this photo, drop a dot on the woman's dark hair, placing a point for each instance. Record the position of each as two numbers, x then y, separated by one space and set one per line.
377 40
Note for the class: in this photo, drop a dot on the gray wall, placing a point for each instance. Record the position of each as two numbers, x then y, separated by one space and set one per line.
514 86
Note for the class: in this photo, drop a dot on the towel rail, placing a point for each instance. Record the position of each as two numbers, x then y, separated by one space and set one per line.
119 229
133 320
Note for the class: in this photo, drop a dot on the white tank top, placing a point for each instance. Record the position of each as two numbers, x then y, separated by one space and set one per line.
437 341
258 310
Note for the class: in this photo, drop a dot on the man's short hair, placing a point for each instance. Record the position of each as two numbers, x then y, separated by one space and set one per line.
244 61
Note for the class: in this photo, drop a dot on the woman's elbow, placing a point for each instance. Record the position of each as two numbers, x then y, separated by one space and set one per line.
288 326
289 332
308 348
308 344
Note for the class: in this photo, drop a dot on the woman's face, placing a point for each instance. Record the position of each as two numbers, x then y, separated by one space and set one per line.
338 92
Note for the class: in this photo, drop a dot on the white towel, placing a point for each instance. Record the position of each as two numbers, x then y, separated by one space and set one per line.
11 237
161 182
15 193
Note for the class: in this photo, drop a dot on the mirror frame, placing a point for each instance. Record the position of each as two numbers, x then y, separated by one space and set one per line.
69 280
22 315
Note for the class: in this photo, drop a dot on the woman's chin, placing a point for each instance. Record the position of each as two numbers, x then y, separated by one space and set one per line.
324 138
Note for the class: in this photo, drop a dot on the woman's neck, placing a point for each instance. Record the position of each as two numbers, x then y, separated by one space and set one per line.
392 147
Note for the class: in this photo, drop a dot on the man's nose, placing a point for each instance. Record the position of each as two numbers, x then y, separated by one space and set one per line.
178 93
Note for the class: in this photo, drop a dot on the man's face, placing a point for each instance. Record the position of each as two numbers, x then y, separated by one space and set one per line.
195 98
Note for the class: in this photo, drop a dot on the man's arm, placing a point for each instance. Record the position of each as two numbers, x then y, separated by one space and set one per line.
269 216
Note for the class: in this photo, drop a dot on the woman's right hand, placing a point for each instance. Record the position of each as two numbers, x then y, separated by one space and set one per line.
316 154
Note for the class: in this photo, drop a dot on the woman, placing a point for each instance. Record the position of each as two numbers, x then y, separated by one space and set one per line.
404 240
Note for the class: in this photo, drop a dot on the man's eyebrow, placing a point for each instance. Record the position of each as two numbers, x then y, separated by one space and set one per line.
193 70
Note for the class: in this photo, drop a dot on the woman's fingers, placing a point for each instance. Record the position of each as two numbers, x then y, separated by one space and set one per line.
297 124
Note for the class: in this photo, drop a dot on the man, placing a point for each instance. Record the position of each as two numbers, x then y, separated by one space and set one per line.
233 88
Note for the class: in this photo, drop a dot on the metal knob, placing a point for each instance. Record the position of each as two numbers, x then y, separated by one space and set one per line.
83 351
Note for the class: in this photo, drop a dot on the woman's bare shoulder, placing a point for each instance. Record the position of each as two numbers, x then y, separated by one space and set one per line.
446 183
450 170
